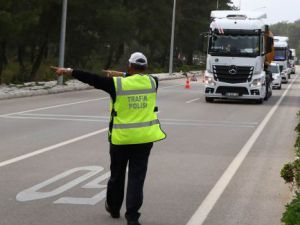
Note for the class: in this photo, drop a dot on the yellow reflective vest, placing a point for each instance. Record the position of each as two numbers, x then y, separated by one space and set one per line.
134 120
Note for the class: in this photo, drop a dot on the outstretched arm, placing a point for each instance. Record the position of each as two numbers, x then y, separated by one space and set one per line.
102 82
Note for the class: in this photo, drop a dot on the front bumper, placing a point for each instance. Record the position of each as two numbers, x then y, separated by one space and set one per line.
236 91
276 82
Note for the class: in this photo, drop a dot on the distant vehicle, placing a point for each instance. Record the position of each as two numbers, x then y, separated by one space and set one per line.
240 45
275 70
293 60
282 53
284 76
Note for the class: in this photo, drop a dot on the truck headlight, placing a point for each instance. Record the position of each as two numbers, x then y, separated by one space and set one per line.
256 83
209 81
276 76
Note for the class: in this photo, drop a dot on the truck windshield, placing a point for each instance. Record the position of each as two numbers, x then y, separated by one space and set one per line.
234 45
280 54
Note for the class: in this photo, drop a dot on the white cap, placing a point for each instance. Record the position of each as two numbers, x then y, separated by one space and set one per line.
138 58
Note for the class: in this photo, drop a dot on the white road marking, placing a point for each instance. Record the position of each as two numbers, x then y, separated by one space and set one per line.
54 106
193 100
63 115
207 124
68 104
105 118
208 121
215 193
226 124
177 85
50 148
54 118
34 192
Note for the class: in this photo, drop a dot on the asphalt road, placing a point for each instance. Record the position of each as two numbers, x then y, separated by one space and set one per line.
220 164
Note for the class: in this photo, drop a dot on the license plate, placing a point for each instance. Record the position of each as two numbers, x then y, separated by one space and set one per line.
232 94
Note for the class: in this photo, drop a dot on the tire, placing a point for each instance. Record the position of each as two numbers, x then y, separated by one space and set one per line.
208 99
259 101
279 88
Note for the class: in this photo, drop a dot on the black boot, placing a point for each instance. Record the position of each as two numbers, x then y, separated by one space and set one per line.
131 221
114 215
136 222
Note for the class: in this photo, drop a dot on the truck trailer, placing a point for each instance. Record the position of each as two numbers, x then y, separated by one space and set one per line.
293 60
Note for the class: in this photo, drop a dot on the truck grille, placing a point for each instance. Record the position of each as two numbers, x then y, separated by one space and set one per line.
233 74
239 90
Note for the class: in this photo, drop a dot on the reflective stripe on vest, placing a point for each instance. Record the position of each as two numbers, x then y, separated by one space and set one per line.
135 125
120 90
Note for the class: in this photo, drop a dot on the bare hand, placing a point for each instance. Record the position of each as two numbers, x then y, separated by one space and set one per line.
113 73
62 71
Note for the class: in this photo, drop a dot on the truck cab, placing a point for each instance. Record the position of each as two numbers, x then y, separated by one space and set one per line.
238 44
282 54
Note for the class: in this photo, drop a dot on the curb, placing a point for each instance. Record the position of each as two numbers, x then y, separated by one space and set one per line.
72 85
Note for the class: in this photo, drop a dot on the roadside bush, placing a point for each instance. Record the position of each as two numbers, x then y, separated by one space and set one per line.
292 214
9 73
287 173
291 174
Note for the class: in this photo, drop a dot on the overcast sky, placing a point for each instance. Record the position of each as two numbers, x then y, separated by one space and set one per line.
277 10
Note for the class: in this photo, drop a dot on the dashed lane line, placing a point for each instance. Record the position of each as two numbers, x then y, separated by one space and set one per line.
215 193
193 100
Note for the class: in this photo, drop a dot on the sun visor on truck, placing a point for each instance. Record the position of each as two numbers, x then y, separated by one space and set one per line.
236 32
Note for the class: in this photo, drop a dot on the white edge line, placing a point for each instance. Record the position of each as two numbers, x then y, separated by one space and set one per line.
50 148
215 193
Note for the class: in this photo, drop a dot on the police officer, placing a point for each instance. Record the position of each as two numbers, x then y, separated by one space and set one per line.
133 128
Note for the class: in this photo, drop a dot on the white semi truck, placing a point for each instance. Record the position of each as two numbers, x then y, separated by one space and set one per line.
240 43
282 55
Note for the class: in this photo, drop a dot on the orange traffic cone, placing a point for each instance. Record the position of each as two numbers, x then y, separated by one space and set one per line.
187 84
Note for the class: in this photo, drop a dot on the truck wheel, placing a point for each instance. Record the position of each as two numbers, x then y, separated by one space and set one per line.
279 88
259 101
208 99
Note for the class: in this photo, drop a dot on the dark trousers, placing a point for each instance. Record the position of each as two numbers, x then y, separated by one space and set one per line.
136 156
